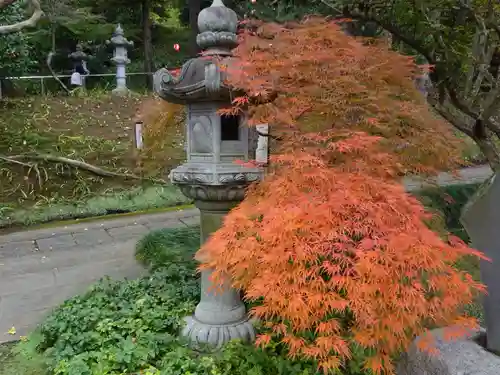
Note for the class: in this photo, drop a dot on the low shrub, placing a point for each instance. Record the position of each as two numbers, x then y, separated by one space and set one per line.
119 327
163 247
447 202
342 271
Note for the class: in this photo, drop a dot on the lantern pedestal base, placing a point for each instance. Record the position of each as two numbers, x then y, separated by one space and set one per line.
220 316
121 91
203 336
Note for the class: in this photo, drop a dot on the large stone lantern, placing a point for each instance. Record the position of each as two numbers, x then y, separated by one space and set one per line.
210 175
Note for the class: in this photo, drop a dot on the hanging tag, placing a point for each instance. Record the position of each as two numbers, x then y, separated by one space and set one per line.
138 135
262 151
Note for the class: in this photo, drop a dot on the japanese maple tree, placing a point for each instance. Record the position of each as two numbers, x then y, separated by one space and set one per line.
331 246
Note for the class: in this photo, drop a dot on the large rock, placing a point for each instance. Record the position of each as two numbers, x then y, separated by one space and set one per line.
481 219
457 357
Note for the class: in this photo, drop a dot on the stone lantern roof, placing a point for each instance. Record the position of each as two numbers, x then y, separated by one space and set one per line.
201 78
79 54
118 39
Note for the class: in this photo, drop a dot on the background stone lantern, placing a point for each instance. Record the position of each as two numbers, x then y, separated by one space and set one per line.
79 60
210 175
120 59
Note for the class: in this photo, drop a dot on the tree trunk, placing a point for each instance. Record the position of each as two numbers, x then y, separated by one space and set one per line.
194 10
148 45
490 151
53 28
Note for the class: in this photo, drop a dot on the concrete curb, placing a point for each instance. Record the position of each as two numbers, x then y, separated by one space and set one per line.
98 224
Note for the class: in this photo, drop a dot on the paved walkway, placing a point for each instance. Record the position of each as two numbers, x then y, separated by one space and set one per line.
39 269
464 176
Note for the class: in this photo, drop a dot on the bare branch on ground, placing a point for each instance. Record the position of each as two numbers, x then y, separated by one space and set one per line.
16 159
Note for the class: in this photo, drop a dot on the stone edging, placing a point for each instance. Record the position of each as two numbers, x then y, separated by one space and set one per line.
98 224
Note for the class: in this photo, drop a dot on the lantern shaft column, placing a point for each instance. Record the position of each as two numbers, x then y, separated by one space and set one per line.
221 315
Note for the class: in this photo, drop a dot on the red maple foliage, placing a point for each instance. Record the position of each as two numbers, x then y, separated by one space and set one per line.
330 243
321 79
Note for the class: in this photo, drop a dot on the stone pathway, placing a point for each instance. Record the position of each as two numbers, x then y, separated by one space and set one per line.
39 269
464 176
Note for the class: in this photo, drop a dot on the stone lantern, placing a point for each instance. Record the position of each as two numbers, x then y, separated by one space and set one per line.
120 59
79 60
210 175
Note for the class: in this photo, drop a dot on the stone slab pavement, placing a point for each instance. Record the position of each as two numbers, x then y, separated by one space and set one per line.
470 175
39 269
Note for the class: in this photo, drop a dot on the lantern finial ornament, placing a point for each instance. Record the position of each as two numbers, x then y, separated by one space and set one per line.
218 26
119 30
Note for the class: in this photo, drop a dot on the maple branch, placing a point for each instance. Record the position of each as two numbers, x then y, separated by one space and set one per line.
494 127
445 85
30 22
393 29
489 22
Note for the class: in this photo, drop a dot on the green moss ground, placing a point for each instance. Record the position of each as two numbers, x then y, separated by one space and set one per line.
95 128
134 200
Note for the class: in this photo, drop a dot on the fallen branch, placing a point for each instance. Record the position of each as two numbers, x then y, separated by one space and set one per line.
74 163
27 165
49 65
9 160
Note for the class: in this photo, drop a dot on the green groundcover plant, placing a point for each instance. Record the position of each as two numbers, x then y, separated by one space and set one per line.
114 202
132 327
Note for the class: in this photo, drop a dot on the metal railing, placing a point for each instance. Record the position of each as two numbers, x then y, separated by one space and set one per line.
44 89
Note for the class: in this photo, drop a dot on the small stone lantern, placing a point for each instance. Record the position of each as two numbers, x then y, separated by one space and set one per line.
210 175
79 60
120 59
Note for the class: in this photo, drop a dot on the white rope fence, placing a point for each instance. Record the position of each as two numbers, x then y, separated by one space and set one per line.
42 79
